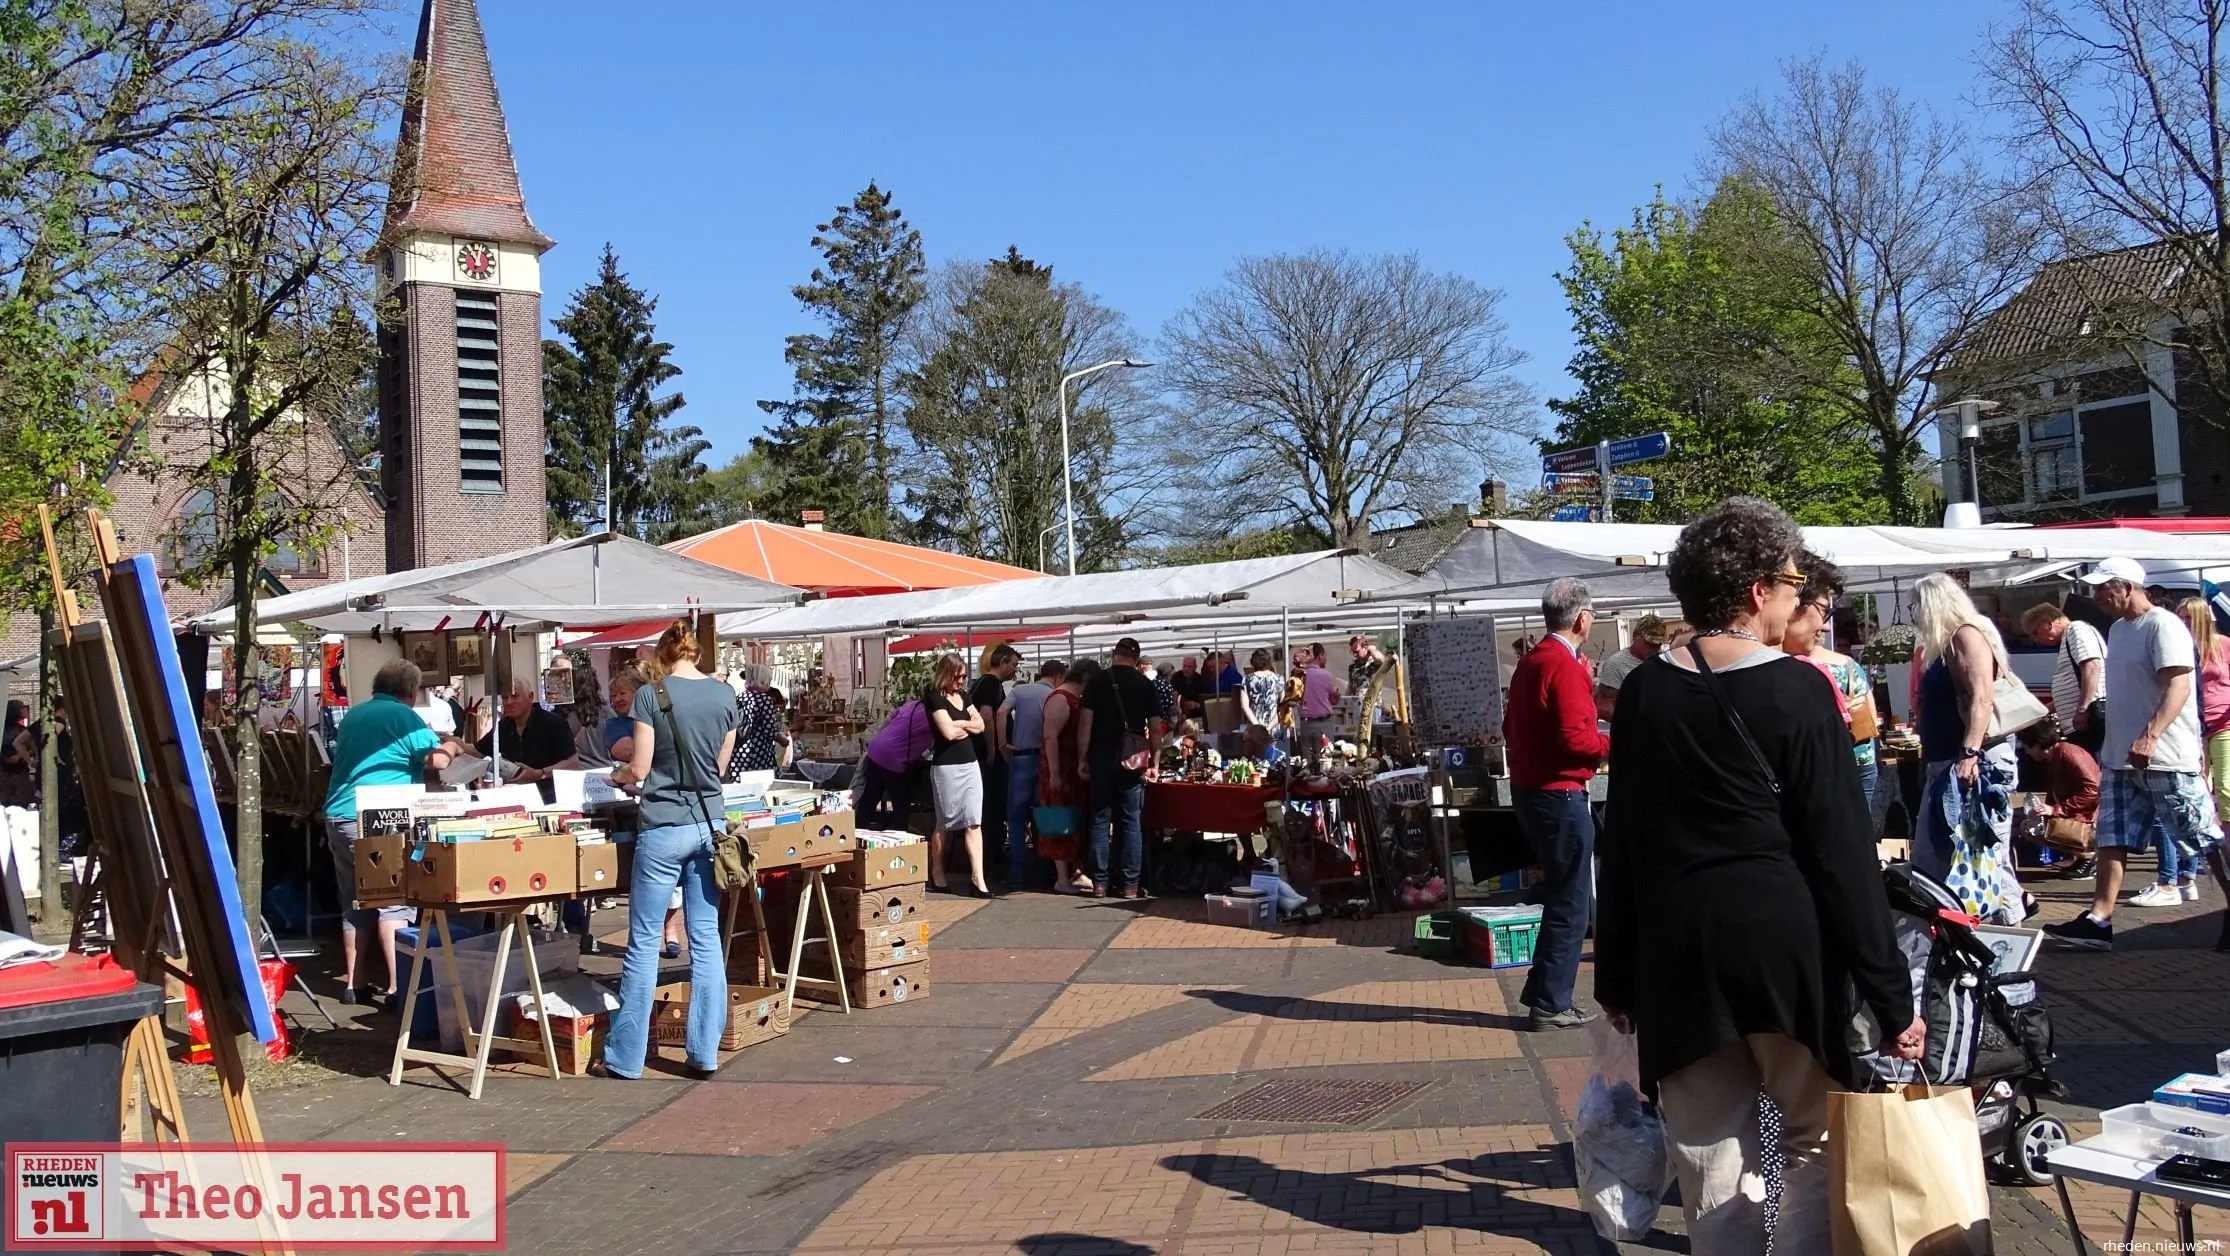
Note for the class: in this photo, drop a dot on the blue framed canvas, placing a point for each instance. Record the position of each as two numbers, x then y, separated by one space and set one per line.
170 731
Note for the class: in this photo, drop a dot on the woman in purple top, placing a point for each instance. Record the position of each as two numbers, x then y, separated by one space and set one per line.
888 771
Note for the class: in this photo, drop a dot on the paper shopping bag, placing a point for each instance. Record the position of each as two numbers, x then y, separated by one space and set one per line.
1904 1174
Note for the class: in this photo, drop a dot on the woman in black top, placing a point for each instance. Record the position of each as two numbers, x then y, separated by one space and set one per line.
954 774
1741 893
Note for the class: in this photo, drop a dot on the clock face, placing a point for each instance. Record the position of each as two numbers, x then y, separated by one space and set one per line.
476 260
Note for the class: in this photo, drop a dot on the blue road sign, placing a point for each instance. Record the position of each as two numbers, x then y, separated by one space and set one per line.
1586 457
1574 512
1640 448
1634 488
1575 484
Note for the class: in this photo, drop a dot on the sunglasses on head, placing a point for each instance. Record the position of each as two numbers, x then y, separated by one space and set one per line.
1793 579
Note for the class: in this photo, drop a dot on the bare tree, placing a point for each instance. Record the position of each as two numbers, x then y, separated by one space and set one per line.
270 304
1330 390
2117 111
1915 244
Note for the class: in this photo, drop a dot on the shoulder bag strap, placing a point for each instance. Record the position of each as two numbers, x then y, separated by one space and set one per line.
1726 708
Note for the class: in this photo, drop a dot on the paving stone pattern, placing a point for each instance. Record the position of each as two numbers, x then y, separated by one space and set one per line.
1097 1077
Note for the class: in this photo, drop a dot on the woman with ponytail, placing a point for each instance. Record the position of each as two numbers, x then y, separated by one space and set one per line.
684 732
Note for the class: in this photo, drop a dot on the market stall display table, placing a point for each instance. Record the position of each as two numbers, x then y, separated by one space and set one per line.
2087 1161
479 1043
1208 808
813 894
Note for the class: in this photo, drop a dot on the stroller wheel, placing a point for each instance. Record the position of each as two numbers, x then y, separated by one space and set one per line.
2034 1140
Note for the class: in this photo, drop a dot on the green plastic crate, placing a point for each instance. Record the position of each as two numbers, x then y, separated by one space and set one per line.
1436 934
1503 938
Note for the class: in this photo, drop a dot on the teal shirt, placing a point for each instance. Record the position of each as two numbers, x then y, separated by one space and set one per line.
381 742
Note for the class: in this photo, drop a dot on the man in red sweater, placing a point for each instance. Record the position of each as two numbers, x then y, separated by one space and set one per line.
1554 747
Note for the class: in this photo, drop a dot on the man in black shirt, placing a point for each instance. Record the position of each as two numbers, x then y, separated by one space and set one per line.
1119 701
537 740
987 695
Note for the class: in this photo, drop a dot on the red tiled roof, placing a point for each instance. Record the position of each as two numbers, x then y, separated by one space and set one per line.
454 172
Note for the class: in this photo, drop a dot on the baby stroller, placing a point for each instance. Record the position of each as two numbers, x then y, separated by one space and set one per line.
1987 1030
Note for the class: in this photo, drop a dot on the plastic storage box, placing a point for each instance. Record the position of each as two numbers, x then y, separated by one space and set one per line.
1501 937
2141 1129
1436 934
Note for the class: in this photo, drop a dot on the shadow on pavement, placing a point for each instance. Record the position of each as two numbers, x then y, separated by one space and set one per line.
1059 1244
1368 1203
1289 1007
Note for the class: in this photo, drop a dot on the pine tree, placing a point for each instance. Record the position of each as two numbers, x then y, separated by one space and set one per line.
831 449
603 410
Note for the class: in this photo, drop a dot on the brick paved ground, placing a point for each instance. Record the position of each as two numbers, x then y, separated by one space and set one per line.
1047 1096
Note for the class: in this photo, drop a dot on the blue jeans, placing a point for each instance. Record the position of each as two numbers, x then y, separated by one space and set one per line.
679 854
1022 795
1869 780
1560 829
1118 802
2172 868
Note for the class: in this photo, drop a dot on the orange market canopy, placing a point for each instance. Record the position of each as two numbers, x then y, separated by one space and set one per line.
829 563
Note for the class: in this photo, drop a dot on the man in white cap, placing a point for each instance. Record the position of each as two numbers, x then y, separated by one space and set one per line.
2153 758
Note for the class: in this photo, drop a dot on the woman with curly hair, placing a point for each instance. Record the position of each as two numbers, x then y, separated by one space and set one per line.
1740 890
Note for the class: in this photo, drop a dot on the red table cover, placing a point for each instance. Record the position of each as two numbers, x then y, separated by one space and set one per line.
1207 808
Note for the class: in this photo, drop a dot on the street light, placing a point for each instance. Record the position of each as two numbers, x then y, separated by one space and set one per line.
1970 411
1042 534
1068 477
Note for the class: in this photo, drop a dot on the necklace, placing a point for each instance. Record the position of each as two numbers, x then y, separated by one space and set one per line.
1737 633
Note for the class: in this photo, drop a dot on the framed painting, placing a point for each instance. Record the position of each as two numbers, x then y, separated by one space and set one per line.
429 650
467 652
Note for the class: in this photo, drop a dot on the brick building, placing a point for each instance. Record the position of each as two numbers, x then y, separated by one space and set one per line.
460 377
155 512
2093 422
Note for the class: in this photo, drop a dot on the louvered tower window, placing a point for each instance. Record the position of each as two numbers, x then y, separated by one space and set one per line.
479 394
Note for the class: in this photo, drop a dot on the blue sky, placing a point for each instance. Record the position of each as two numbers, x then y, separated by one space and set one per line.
1138 149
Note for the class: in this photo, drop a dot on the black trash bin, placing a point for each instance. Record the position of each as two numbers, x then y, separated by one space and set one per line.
62 1057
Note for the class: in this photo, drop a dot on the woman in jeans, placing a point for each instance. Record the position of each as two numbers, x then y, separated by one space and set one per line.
677 761
1741 897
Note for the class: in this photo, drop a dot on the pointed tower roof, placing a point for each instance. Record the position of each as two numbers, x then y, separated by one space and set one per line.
454 172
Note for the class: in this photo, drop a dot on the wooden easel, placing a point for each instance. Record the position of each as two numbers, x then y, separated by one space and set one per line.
116 804
481 1043
184 877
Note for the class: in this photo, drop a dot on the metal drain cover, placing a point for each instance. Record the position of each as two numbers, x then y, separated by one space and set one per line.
1327 1102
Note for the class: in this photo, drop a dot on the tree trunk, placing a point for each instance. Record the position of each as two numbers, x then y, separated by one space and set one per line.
247 734
878 454
50 781
1895 453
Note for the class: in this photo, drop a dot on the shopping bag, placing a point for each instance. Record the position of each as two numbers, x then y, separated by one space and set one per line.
1618 1142
1904 1173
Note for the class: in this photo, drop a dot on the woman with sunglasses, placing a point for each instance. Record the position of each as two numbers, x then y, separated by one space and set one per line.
1741 895
1854 688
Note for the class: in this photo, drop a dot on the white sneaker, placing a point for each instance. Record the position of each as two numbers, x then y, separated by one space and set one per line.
2157 895
2190 891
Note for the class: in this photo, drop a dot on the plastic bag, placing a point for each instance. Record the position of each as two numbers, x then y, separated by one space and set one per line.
1618 1143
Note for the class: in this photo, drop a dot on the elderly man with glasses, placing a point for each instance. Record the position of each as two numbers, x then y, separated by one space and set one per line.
1555 746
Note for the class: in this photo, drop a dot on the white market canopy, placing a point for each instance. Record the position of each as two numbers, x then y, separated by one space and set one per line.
1510 558
584 582
1253 590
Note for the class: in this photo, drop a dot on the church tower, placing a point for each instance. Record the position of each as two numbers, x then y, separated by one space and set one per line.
460 351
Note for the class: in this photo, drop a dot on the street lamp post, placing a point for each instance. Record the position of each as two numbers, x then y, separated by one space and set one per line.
1068 477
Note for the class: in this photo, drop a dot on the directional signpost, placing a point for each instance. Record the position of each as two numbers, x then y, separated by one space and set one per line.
1587 471
1573 512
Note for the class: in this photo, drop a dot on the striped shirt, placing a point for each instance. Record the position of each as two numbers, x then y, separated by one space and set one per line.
2079 645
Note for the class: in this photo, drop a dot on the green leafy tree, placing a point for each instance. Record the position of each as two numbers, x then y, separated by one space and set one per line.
609 425
736 491
982 416
831 448
1702 325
